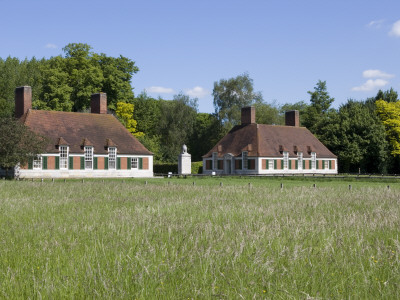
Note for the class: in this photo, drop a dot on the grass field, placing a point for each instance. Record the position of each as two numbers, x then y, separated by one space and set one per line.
170 239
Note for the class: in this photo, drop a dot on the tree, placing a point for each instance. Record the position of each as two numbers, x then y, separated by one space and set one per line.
268 114
124 113
388 96
176 125
390 116
319 108
230 95
18 143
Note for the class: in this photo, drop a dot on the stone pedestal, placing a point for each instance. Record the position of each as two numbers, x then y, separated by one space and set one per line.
184 162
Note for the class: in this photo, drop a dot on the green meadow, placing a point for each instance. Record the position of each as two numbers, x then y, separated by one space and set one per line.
200 238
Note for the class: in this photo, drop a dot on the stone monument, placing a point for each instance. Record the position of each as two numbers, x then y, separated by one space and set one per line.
184 162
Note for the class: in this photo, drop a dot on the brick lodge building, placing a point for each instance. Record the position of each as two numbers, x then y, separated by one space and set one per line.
81 145
259 149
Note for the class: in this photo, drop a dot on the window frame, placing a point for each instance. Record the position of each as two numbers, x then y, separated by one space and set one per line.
134 161
245 160
112 158
37 163
89 157
64 154
285 160
313 160
215 160
300 160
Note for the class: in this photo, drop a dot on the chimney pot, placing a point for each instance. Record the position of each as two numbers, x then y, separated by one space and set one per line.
23 100
248 115
98 103
292 118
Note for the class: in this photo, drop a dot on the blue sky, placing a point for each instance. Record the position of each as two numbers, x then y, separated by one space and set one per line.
284 46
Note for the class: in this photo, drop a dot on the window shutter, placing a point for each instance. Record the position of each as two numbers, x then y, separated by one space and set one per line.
95 163
82 163
129 164
297 164
289 164
44 162
282 164
267 164
316 164
118 163
71 163
57 162
140 163
304 164
330 164
275 164
30 163
105 163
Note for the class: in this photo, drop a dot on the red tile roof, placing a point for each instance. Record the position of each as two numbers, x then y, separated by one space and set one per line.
269 141
77 129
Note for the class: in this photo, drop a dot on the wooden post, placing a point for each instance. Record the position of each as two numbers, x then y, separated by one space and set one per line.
314 185
194 183
281 186
221 184
349 187
145 183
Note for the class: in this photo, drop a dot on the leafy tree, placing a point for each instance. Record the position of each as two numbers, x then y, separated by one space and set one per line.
176 125
319 108
388 96
390 116
18 144
230 95
147 114
268 114
124 113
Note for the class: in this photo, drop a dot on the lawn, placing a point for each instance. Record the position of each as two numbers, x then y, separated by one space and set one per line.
222 238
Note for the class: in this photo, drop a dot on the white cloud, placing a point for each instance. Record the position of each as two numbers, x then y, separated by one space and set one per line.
197 92
370 85
395 29
160 90
376 74
375 23
51 46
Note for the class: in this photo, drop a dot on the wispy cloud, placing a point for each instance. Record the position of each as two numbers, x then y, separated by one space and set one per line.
51 46
395 31
160 90
370 85
197 92
375 23
376 74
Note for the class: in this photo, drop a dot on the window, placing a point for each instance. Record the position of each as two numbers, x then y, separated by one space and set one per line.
134 163
112 157
271 164
37 162
285 160
313 160
245 160
63 157
215 160
300 160
88 157
326 164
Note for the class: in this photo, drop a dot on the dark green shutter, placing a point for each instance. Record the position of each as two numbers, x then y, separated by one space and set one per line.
140 163
129 164
275 164
95 163
71 163
82 163
118 163
330 164
289 164
267 164
105 163
44 162
57 162
297 164
304 164
30 163
316 164
282 164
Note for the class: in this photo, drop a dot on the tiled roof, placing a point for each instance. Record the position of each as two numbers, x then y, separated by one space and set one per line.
79 129
269 141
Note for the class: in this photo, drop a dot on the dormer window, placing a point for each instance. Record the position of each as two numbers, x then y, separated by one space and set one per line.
63 157
112 157
88 157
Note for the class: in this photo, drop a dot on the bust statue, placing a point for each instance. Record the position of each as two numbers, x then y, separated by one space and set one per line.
184 148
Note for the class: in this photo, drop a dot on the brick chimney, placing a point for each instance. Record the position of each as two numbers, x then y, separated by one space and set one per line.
248 115
292 118
98 103
23 100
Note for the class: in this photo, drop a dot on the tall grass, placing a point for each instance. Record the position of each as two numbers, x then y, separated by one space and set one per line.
177 241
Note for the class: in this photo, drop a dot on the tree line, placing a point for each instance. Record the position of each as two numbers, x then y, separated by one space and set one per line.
365 135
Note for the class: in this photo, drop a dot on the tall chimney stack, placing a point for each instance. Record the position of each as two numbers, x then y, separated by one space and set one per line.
292 118
98 103
23 100
248 115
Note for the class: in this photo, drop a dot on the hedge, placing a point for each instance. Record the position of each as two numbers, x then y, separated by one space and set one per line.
165 168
